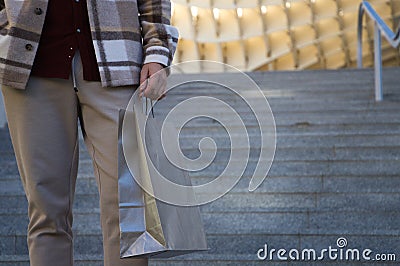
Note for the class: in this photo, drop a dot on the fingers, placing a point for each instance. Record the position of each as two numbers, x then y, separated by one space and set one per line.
156 87
144 74
153 81
143 87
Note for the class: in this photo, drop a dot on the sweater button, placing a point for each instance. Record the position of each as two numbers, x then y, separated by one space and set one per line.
38 11
29 47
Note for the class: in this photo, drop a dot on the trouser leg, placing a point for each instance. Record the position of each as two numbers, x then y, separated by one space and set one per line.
100 112
43 125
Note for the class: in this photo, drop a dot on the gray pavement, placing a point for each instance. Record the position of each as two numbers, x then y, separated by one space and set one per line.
336 174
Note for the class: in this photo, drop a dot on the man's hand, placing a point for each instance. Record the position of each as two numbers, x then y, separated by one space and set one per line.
153 86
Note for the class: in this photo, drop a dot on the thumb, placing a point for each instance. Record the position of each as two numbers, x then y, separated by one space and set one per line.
144 74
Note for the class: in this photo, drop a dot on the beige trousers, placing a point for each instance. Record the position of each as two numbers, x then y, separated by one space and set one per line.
43 122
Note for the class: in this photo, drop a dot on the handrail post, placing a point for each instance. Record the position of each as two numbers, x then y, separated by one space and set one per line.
359 39
378 63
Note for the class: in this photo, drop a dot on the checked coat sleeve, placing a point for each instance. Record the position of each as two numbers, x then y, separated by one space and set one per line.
159 37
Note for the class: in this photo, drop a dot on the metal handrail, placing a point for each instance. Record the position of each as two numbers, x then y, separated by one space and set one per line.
380 28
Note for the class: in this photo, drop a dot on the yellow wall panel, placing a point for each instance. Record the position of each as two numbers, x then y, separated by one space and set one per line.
278 34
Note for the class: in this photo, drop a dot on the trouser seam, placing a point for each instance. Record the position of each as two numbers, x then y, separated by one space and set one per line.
96 167
70 197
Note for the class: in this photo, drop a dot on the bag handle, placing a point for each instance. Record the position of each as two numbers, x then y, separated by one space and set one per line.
145 102
145 106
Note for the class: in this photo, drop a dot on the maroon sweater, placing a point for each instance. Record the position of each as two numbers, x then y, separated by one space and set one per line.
66 29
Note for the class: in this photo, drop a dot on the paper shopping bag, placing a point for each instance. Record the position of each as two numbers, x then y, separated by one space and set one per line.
150 227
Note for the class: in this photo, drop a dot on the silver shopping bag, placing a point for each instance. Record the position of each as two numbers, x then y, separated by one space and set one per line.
148 226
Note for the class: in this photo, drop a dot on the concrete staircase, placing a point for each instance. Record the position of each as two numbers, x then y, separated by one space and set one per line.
336 174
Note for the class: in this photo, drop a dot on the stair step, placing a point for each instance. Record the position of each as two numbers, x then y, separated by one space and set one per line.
23 260
239 243
307 141
335 174
200 260
319 222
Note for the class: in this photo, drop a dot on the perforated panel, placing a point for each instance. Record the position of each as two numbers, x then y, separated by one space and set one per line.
278 34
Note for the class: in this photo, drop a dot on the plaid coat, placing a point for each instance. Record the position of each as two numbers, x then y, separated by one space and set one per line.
126 34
